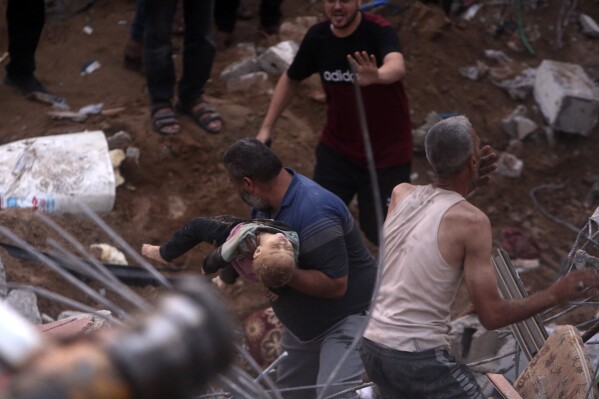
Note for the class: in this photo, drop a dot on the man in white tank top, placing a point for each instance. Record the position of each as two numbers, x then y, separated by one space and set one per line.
433 238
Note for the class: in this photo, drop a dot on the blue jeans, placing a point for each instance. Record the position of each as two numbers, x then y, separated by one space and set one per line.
429 374
198 49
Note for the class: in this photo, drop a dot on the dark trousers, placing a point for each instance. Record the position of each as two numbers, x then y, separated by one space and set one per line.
430 374
198 49
139 22
225 13
345 179
25 21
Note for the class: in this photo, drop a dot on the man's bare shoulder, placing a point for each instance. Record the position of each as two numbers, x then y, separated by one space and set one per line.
402 190
399 193
468 216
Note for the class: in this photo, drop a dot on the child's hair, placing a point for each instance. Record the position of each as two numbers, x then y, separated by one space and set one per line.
274 269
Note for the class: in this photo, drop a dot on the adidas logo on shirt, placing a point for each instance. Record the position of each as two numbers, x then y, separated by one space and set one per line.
337 76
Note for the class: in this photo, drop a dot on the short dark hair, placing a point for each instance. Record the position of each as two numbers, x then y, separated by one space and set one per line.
251 158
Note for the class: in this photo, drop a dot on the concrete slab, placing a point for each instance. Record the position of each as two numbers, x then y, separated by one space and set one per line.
567 97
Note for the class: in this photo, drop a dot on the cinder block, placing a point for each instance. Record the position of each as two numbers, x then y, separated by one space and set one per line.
240 68
567 97
276 59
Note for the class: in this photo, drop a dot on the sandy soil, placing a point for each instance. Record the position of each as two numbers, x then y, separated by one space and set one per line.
180 177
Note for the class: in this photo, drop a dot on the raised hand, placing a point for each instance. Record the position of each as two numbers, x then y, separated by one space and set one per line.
366 67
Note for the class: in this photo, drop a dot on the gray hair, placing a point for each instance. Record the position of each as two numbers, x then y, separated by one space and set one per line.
448 144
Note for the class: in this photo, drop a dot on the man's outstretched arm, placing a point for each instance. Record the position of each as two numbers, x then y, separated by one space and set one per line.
284 91
495 312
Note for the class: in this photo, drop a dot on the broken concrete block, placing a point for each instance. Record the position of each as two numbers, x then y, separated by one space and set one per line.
589 26
240 68
568 98
498 55
247 81
120 139
517 124
474 72
25 303
518 87
509 165
276 59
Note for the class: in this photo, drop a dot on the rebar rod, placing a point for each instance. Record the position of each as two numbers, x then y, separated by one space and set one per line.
124 245
64 274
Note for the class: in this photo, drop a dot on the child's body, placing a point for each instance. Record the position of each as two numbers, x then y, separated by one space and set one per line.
259 250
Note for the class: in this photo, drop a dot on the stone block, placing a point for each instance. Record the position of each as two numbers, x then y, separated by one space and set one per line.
589 26
567 97
517 125
239 68
276 59
25 302
509 165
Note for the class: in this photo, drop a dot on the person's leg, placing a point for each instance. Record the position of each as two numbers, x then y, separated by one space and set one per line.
335 345
334 173
194 232
299 368
198 55
388 178
225 15
378 368
158 49
133 53
270 16
158 64
25 21
139 22
198 50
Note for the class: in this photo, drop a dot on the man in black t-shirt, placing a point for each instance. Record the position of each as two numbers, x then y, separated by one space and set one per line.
370 43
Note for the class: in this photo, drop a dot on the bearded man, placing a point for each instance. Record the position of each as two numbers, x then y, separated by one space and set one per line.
323 307
370 43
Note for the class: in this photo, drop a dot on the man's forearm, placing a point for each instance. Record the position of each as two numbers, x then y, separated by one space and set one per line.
392 70
516 310
284 91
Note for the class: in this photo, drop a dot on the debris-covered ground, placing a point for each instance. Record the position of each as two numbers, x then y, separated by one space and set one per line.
179 177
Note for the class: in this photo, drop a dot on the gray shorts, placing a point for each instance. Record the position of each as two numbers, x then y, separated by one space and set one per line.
430 374
311 363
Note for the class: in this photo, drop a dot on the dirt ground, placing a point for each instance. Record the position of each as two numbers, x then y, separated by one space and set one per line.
180 177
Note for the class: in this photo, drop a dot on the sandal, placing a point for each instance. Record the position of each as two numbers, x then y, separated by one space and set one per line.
164 120
203 115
